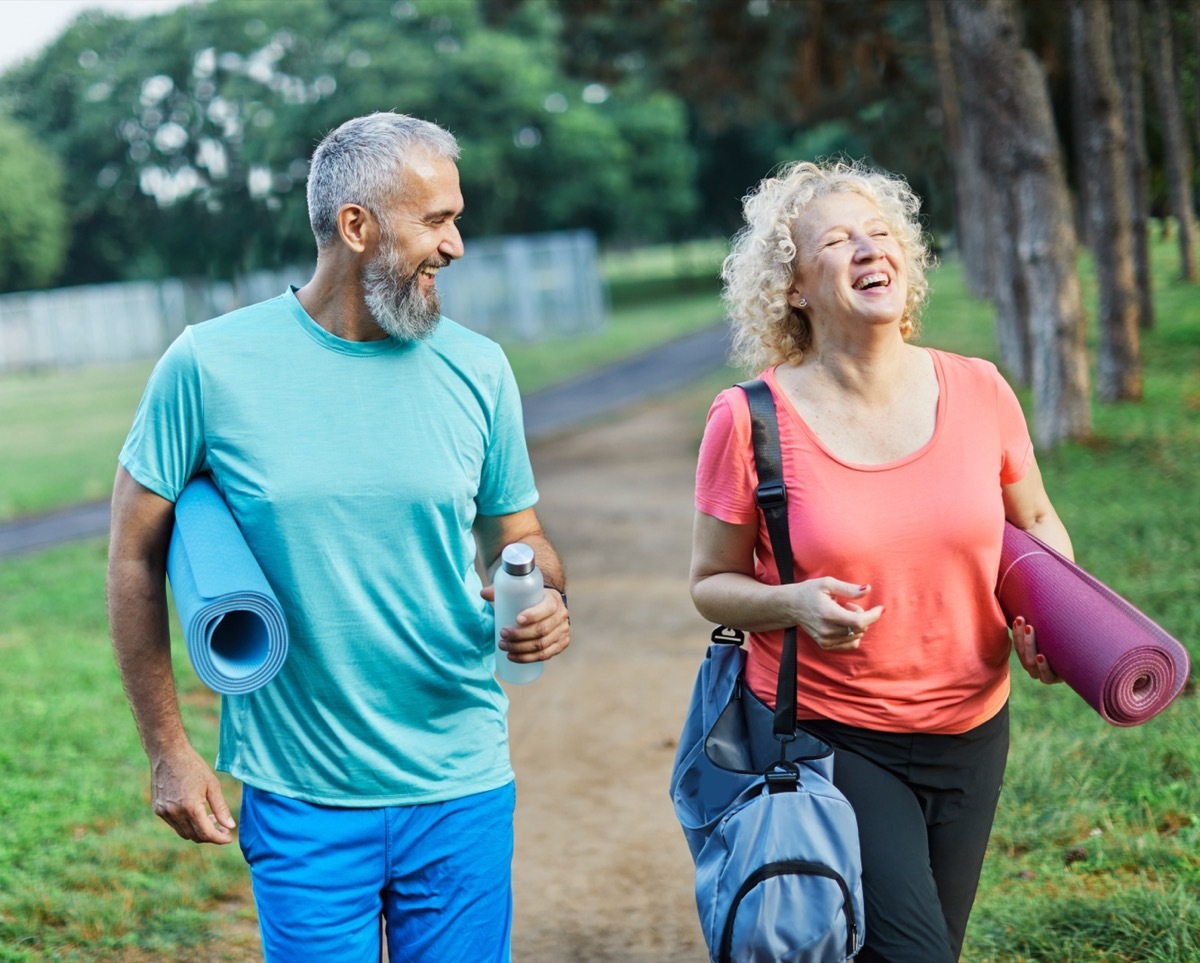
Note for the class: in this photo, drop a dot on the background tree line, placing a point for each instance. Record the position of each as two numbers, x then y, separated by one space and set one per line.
177 143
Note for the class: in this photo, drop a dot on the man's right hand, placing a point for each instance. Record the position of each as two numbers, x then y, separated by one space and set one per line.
188 797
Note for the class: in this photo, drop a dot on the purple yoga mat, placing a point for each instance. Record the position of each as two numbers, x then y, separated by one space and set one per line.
1123 665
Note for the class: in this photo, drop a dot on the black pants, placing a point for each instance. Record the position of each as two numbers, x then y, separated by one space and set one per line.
925 805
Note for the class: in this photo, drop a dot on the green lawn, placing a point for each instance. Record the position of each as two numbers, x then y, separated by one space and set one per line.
1095 855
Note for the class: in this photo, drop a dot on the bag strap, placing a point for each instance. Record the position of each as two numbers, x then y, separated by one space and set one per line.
771 496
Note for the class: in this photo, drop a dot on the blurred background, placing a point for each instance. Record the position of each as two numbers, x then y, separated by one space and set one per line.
153 156
145 140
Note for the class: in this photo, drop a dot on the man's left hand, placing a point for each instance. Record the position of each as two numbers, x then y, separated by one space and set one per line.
542 631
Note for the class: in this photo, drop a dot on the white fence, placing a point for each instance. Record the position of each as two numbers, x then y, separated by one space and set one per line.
510 288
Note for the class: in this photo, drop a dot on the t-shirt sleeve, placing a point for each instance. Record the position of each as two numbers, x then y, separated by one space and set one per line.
725 477
506 484
1016 445
166 447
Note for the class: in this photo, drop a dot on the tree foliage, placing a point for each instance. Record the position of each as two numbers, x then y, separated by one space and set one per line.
185 135
33 219
772 80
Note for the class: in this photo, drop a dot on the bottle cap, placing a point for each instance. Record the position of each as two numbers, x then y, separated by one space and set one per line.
517 558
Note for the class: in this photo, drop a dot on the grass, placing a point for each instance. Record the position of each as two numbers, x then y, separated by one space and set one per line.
1095 854
62 432
86 871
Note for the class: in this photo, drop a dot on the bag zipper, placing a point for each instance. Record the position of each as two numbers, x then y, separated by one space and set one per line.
786 867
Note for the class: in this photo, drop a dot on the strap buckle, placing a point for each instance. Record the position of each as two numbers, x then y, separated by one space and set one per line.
771 494
724 634
782 777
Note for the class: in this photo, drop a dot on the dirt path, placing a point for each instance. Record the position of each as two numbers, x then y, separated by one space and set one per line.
601 872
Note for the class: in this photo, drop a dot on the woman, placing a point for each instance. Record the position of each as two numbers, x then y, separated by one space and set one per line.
902 464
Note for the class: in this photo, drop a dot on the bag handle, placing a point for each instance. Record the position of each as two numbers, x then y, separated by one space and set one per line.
771 496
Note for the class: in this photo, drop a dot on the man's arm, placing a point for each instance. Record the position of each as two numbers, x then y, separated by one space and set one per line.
544 630
184 787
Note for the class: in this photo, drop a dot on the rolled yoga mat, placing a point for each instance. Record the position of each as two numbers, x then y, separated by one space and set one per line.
234 626
1124 666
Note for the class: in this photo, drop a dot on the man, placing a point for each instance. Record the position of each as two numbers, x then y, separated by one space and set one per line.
371 452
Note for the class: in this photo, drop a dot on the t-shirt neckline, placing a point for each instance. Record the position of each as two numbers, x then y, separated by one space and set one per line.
784 403
327 339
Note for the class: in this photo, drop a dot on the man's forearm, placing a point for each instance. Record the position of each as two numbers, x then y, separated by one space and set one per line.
137 612
548 562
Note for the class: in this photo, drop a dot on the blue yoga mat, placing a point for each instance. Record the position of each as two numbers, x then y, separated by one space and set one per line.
234 626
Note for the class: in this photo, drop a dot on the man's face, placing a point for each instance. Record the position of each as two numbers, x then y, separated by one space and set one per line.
419 236
396 298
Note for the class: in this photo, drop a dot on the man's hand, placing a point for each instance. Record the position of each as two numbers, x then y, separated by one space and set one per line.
542 631
188 797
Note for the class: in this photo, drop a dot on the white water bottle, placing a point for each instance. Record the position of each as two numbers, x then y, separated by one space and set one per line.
518 586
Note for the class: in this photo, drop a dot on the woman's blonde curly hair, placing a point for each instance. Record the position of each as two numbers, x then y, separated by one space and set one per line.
760 268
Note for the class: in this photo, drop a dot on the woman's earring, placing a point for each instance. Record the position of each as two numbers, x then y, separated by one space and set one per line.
802 303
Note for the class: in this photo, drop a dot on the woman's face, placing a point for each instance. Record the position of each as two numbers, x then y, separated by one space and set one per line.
849 267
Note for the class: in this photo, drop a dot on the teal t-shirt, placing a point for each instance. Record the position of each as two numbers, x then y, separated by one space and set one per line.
355 471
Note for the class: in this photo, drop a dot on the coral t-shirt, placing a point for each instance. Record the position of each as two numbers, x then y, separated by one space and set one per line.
924 531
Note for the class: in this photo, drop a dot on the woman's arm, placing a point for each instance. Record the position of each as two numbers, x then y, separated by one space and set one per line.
725 591
1028 506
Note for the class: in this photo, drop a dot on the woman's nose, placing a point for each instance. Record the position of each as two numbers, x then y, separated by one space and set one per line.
868 249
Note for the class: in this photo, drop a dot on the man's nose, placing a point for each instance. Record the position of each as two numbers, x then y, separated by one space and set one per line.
451 245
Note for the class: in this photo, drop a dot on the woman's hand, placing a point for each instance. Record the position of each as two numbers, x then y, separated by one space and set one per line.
835 626
1036 664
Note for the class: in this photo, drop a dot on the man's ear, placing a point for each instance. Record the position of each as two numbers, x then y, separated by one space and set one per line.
357 227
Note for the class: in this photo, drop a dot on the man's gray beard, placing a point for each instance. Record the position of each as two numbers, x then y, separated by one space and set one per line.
396 303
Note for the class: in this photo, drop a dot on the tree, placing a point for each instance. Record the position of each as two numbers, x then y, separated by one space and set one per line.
1105 185
1177 159
1004 90
971 205
1194 16
1127 41
772 80
33 220
186 135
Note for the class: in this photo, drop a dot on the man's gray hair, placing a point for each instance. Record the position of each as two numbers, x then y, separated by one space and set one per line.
361 162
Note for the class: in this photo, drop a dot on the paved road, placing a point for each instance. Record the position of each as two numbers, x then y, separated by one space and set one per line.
551 411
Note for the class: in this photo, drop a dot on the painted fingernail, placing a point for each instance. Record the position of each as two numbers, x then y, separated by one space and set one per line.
1041 660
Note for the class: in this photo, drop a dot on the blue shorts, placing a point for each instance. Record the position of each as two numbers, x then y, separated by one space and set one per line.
439 875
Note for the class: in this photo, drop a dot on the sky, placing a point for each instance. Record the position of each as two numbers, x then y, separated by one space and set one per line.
26 26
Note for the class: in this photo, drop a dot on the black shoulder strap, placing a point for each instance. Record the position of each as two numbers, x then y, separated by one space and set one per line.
771 496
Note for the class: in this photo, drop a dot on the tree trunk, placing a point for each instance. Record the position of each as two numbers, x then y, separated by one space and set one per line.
970 207
1127 42
1013 340
1177 155
1004 86
1105 185
984 221
1194 16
